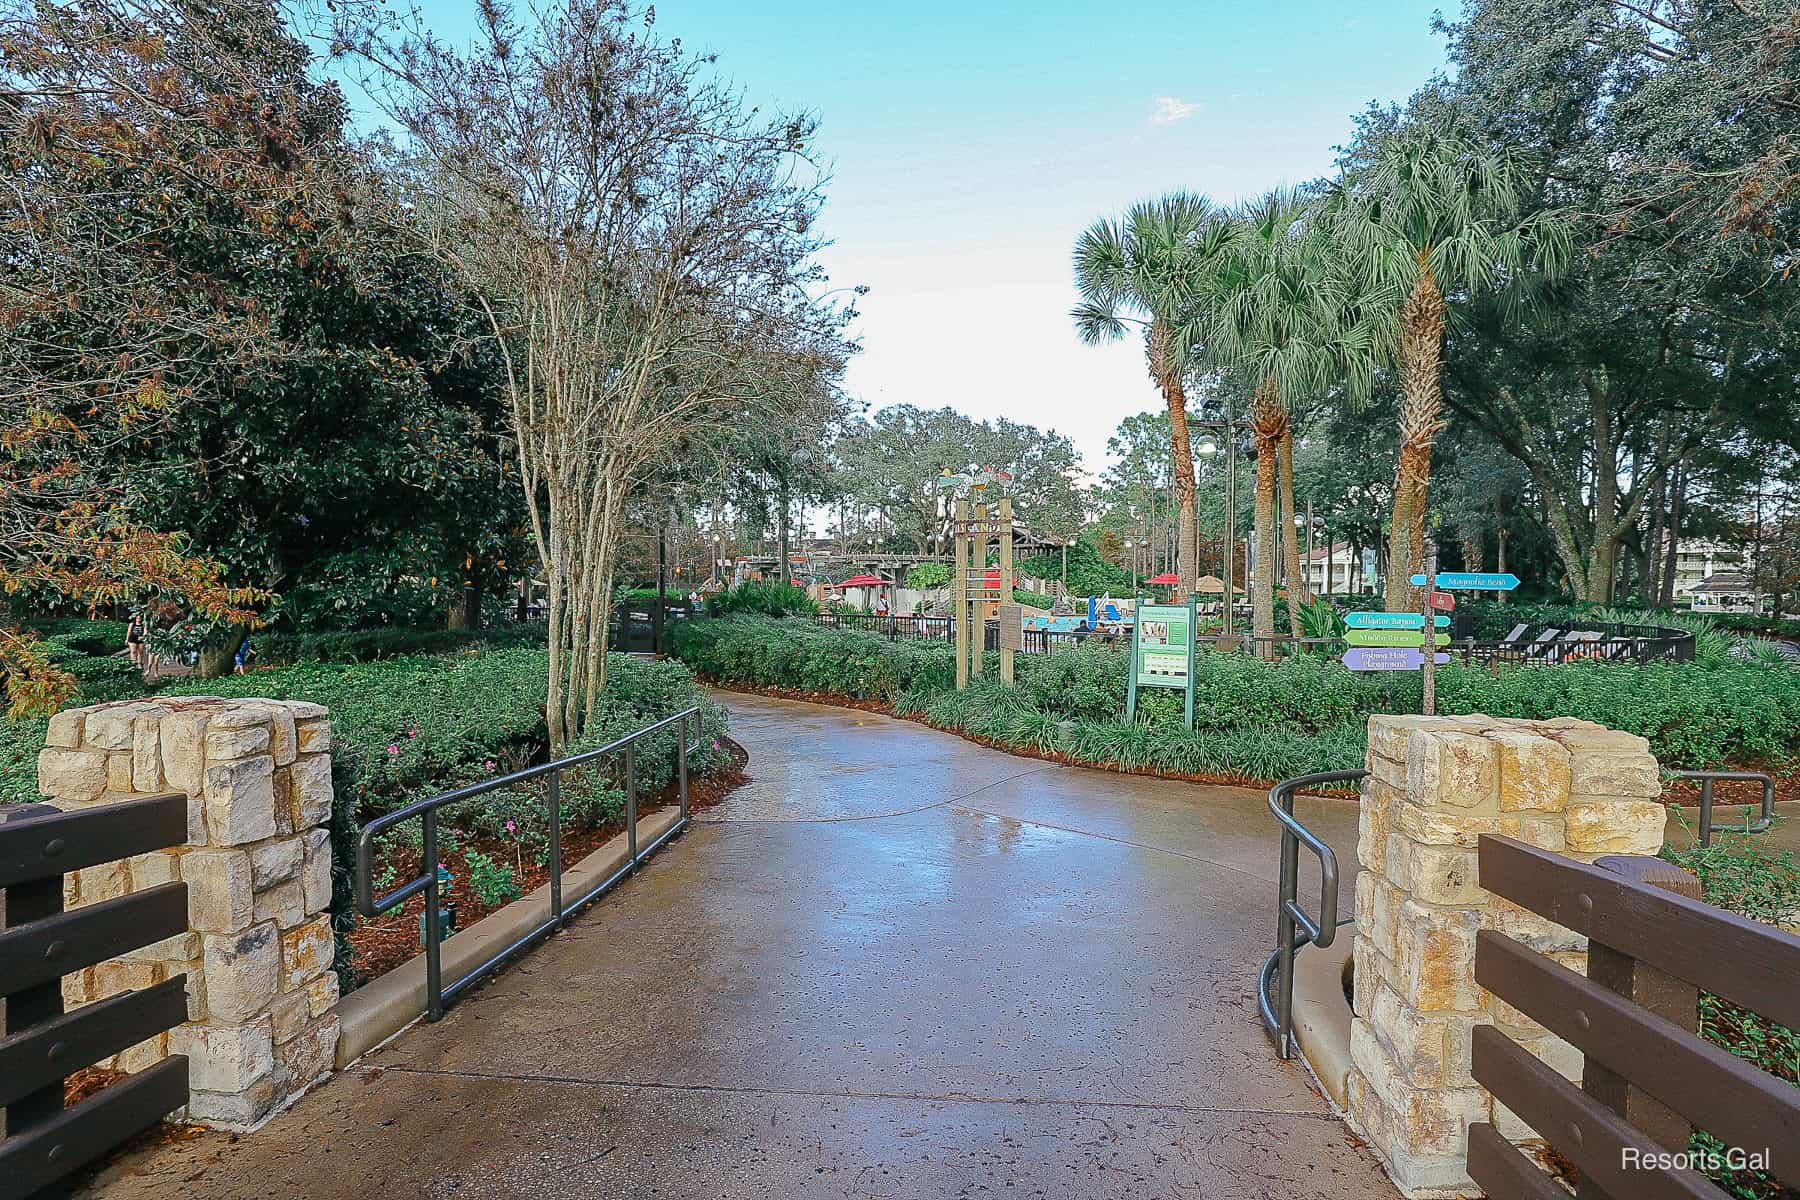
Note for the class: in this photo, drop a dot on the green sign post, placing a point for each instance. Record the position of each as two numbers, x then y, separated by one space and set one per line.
1162 653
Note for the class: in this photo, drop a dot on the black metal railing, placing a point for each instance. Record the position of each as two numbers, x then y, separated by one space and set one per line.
1530 646
1706 779
1295 928
437 995
911 627
929 628
1584 642
646 628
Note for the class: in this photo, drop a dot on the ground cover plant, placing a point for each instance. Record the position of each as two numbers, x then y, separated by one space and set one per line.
1253 719
390 641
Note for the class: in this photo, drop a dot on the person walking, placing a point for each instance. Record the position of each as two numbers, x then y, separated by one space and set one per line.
135 645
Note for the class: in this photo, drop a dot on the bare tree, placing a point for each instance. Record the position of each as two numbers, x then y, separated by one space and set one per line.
642 246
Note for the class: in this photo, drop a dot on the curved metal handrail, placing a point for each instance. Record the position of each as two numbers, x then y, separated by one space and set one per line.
1708 778
1294 927
437 994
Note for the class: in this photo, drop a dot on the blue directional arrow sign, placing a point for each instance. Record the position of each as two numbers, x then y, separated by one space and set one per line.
1391 620
1388 658
1476 581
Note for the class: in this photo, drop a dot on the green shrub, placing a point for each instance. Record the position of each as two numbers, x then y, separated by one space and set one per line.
20 740
354 645
922 577
1764 623
769 598
1033 599
394 641
82 636
491 882
1692 714
91 651
1084 682
94 653
1089 573
808 657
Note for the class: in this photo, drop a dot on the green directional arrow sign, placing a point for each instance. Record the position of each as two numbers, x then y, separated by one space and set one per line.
1392 637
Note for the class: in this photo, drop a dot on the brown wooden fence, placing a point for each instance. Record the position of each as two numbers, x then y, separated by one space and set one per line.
39 944
1647 1079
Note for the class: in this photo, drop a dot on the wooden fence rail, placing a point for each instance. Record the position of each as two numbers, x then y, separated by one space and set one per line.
39 944
1647 1080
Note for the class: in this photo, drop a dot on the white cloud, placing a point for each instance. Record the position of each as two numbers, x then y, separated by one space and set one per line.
1170 109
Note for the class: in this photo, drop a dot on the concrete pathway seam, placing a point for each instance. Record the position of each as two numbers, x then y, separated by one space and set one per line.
902 812
809 1093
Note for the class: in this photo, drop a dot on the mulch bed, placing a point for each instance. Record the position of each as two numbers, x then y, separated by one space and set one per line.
1731 792
379 945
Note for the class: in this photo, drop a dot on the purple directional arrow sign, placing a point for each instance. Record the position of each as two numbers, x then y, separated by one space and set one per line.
1388 658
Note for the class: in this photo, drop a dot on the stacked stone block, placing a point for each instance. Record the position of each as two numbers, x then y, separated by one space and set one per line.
1435 785
257 863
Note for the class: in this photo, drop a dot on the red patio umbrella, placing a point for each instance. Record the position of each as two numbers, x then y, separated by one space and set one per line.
863 581
1166 579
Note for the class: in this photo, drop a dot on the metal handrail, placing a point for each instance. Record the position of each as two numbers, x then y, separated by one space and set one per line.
1708 778
437 996
1294 928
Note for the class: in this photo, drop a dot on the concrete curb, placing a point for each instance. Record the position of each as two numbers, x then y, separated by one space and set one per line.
383 1007
1322 1012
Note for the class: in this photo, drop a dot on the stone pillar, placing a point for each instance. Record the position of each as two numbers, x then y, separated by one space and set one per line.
1435 785
257 862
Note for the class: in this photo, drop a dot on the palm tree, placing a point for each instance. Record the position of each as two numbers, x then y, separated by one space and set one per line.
1142 272
1435 210
1285 308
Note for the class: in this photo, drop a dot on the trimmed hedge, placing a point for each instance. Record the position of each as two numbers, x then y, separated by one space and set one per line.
393 641
410 727
1693 714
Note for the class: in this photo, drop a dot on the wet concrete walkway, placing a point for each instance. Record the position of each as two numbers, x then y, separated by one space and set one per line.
895 965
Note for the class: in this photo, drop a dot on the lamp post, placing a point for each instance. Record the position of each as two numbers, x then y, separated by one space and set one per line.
1207 449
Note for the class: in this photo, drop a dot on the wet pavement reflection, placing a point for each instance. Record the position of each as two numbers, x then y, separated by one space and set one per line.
894 964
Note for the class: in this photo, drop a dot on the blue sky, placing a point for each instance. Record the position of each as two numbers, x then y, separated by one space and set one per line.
972 142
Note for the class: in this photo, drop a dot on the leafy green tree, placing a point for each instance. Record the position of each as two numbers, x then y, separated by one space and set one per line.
1141 272
163 160
891 463
1137 490
362 474
1673 337
643 246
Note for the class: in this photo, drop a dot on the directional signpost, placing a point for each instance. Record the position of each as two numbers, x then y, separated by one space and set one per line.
1395 641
